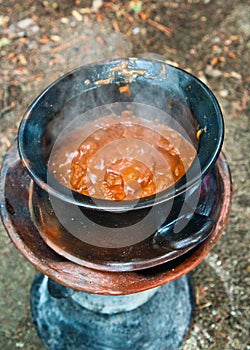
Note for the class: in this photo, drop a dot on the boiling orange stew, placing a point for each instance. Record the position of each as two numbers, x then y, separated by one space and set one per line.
122 158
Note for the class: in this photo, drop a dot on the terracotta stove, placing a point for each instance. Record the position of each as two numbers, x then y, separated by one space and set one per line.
115 273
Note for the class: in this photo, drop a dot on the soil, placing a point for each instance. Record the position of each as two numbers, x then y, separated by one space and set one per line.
41 40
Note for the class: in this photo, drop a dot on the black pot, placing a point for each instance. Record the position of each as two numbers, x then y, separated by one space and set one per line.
128 234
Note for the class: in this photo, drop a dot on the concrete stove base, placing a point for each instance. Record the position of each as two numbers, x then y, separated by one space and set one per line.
151 320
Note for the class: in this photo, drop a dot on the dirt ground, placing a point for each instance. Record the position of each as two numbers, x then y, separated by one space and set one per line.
41 40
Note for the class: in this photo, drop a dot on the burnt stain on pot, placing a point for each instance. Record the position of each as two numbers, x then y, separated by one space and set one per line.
125 89
105 81
128 72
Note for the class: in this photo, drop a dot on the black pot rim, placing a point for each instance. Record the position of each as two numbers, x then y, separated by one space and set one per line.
179 188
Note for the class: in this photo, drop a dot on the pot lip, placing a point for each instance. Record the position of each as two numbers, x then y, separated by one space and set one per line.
170 193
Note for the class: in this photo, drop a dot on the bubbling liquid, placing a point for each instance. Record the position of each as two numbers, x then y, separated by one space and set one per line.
121 158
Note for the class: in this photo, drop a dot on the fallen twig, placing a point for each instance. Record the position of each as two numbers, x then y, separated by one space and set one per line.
128 17
67 44
7 109
166 30
38 77
243 104
116 26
